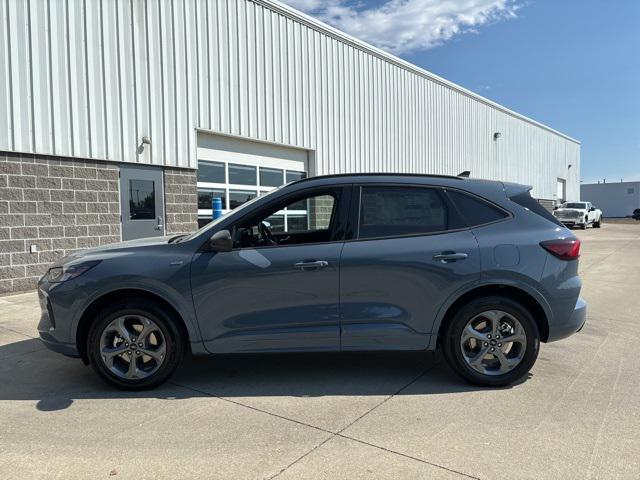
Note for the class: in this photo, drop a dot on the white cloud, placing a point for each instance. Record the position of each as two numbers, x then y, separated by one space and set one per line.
402 26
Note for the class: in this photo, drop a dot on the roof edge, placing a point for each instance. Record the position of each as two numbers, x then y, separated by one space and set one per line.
316 24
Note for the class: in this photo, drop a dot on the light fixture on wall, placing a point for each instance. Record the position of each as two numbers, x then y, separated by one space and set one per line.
497 135
146 140
569 166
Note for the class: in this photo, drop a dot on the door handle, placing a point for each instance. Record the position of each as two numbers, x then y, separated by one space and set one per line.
159 224
446 257
311 265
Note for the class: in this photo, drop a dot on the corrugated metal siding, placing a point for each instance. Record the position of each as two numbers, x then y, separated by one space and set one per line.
90 78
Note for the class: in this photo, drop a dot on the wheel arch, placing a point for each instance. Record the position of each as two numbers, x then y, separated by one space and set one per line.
527 299
90 312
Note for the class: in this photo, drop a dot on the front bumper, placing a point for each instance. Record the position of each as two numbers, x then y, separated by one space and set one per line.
573 324
49 334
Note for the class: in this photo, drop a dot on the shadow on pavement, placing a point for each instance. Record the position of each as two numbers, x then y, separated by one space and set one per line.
55 381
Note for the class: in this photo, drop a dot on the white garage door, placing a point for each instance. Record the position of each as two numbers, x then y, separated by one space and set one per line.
237 170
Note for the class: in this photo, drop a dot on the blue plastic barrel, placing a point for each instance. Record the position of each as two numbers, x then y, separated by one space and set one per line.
216 207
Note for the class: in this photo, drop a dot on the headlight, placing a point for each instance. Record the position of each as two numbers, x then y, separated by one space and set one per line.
67 272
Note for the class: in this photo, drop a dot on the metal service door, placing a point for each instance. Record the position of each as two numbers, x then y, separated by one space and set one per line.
142 202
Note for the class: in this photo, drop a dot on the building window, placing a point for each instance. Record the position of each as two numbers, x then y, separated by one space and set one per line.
292 176
211 172
631 191
238 197
242 175
236 184
206 195
271 177
142 200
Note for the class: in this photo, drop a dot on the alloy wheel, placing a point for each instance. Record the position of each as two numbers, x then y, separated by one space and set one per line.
493 342
132 347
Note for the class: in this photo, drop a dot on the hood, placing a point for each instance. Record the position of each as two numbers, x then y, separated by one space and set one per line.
113 247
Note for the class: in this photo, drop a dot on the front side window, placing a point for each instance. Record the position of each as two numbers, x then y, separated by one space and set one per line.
399 211
299 221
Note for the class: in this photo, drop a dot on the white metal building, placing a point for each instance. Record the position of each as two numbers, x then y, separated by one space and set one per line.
252 92
616 199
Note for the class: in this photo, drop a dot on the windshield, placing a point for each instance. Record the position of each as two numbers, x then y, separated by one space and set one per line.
574 205
215 222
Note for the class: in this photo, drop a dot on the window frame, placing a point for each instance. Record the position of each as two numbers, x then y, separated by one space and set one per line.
353 226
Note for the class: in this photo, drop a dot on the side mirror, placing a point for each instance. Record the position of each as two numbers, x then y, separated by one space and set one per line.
555 207
221 241
592 209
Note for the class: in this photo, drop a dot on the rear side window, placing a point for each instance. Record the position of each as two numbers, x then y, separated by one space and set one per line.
525 200
475 211
400 211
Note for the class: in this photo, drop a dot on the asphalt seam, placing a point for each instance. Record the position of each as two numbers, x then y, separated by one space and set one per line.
339 433
17 332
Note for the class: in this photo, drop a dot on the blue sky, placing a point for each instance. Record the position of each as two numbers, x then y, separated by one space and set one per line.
571 64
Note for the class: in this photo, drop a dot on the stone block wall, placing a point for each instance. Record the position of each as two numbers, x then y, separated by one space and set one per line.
181 200
55 205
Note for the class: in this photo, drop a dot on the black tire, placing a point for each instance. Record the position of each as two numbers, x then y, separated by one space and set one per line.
174 341
584 225
598 223
452 350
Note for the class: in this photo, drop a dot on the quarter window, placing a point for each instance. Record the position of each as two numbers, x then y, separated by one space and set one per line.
475 211
399 211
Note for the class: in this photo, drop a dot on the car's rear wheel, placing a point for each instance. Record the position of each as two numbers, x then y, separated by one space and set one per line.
598 223
134 345
491 341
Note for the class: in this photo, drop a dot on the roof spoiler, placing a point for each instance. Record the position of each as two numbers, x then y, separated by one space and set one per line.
464 174
512 189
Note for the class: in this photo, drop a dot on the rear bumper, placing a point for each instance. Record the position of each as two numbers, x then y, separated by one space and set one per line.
573 324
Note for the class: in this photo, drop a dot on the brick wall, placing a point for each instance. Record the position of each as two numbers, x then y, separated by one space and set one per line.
57 204
181 200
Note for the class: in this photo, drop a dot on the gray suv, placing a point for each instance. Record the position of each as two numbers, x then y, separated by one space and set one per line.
336 263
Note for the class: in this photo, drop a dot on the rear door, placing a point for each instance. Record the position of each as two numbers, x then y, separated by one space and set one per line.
411 251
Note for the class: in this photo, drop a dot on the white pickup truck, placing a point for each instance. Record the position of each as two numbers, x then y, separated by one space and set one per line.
579 214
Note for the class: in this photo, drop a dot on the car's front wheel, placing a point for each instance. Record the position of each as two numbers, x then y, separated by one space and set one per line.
491 341
134 345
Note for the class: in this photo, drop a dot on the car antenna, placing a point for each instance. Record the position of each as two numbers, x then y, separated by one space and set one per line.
464 174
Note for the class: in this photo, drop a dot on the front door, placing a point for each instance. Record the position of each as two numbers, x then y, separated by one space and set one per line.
142 202
411 253
278 289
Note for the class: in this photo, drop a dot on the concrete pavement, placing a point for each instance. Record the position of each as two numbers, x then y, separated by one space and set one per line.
577 416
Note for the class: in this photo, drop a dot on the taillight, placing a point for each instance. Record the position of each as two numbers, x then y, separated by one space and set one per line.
564 249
